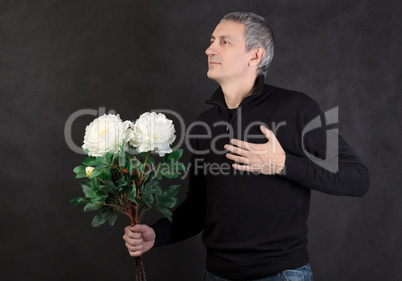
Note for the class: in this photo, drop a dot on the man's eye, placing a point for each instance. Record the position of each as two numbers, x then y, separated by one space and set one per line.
225 42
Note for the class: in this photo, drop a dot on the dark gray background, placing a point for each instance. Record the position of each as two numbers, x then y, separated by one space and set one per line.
134 56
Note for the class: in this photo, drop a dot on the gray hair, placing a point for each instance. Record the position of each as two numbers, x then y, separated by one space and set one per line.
257 34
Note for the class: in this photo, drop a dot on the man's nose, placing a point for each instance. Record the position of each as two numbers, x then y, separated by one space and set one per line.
210 51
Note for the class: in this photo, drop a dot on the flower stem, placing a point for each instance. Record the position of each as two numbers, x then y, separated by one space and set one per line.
114 206
142 214
142 269
136 269
101 180
142 173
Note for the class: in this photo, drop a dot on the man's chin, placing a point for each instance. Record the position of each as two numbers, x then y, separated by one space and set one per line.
212 76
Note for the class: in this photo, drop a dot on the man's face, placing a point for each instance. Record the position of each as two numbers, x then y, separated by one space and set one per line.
227 56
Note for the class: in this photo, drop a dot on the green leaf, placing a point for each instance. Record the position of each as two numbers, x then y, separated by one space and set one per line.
175 167
164 170
101 171
80 171
171 191
111 185
166 212
92 207
84 185
95 174
150 160
101 161
85 182
122 181
167 199
149 186
176 155
79 201
133 199
112 217
109 156
122 162
103 189
154 188
158 191
95 182
143 155
75 199
106 174
168 173
122 152
90 161
101 167
88 191
82 201
99 219
148 199
158 175
168 202
181 167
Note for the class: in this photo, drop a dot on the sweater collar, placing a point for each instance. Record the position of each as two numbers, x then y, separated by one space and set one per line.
218 98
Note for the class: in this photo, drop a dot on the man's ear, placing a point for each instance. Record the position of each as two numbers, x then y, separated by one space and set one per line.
257 55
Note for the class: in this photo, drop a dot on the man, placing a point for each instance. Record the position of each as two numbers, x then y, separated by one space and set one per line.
254 214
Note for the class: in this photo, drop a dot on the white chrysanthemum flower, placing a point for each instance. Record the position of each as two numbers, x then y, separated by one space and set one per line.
153 131
107 133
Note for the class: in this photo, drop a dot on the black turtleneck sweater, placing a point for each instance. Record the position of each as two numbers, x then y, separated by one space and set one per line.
255 225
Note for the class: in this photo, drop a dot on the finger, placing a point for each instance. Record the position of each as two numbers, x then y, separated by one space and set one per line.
141 228
132 248
128 230
236 150
243 144
135 242
274 143
132 235
267 132
248 146
237 158
246 168
135 254
135 235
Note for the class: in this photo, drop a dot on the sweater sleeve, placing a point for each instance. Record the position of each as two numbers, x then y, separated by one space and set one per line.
189 217
326 162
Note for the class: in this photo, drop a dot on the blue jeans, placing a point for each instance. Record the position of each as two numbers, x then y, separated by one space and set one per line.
303 273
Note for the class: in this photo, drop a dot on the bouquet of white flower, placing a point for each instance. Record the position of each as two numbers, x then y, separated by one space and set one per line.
119 179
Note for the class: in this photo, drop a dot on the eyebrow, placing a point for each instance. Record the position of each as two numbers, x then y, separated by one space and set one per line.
222 37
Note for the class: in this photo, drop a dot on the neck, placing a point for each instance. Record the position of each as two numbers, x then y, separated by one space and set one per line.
236 91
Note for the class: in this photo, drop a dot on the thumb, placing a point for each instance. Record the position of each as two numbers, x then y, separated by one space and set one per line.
268 133
147 233
138 228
